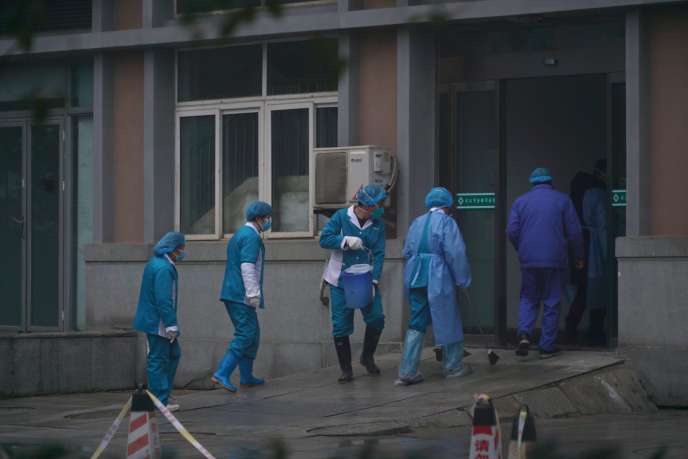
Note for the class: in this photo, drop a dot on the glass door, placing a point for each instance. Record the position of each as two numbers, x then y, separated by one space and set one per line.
476 173
30 216
12 225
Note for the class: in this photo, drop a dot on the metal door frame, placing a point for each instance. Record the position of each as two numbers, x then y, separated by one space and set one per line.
499 298
24 121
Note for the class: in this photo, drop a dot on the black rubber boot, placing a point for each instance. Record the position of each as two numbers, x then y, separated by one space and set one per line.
372 337
343 347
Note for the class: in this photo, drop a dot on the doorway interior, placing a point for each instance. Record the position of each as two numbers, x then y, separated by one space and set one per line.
498 119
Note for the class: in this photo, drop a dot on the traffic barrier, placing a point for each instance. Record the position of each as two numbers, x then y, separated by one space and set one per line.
486 435
523 435
143 440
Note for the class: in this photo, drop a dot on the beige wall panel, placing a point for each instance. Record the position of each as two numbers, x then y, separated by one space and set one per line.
668 118
378 89
127 149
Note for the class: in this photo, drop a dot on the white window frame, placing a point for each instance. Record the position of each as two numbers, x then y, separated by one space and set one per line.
263 105
177 172
281 106
239 109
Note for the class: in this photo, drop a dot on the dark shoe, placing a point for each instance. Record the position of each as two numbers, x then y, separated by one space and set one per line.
438 353
549 354
523 346
372 337
346 377
493 357
343 348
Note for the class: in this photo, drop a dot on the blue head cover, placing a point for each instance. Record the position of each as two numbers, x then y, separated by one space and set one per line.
169 243
370 195
438 197
540 175
258 209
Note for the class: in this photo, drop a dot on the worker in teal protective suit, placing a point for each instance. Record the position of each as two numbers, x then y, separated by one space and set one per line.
436 264
355 235
156 315
242 293
595 215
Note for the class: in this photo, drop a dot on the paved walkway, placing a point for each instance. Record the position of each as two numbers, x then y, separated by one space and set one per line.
315 415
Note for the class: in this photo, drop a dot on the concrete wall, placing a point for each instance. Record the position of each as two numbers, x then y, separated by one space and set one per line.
44 363
667 35
653 312
295 327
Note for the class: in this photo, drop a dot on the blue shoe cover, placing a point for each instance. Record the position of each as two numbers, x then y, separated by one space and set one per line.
246 371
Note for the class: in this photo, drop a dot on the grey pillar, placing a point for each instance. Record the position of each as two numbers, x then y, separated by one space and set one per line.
157 13
416 111
347 128
158 143
637 164
102 148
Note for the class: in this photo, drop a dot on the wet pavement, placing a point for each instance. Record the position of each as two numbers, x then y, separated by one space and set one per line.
582 399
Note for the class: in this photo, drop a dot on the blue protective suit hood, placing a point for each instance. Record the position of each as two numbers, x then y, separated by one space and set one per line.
438 197
258 209
370 195
169 243
540 175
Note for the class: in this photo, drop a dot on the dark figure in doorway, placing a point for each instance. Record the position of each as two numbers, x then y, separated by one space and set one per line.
595 215
581 183
542 224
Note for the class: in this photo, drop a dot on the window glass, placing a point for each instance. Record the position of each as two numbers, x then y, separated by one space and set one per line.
82 85
22 85
206 6
290 157
83 204
216 73
239 167
44 16
326 127
197 174
302 66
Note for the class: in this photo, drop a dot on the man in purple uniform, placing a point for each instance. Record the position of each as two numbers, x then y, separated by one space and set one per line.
542 223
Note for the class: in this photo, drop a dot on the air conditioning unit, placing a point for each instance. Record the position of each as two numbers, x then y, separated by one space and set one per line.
340 172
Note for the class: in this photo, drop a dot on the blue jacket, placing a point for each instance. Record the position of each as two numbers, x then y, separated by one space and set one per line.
595 204
345 223
436 259
246 246
541 225
157 307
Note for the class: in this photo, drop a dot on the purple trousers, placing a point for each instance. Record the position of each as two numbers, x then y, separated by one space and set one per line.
540 285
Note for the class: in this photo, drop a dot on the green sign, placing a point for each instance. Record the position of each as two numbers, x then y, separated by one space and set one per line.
618 198
475 201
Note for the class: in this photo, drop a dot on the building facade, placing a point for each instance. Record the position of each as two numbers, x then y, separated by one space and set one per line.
152 124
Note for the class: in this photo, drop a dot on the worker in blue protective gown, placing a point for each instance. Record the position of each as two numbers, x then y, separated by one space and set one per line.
156 315
595 214
542 224
242 294
436 264
355 235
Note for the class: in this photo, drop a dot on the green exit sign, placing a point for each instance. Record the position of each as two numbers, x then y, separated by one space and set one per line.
618 198
475 201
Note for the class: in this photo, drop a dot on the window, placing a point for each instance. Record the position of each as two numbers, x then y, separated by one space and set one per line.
208 6
47 16
197 174
238 142
220 73
302 66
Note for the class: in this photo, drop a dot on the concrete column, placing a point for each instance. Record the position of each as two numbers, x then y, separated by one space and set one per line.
347 129
102 12
102 148
637 164
157 12
416 111
158 143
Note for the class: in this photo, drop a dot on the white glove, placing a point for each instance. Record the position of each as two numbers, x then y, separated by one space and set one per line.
376 288
172 333
254 301
353 242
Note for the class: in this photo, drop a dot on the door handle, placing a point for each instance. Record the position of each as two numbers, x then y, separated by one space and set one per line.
20 221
